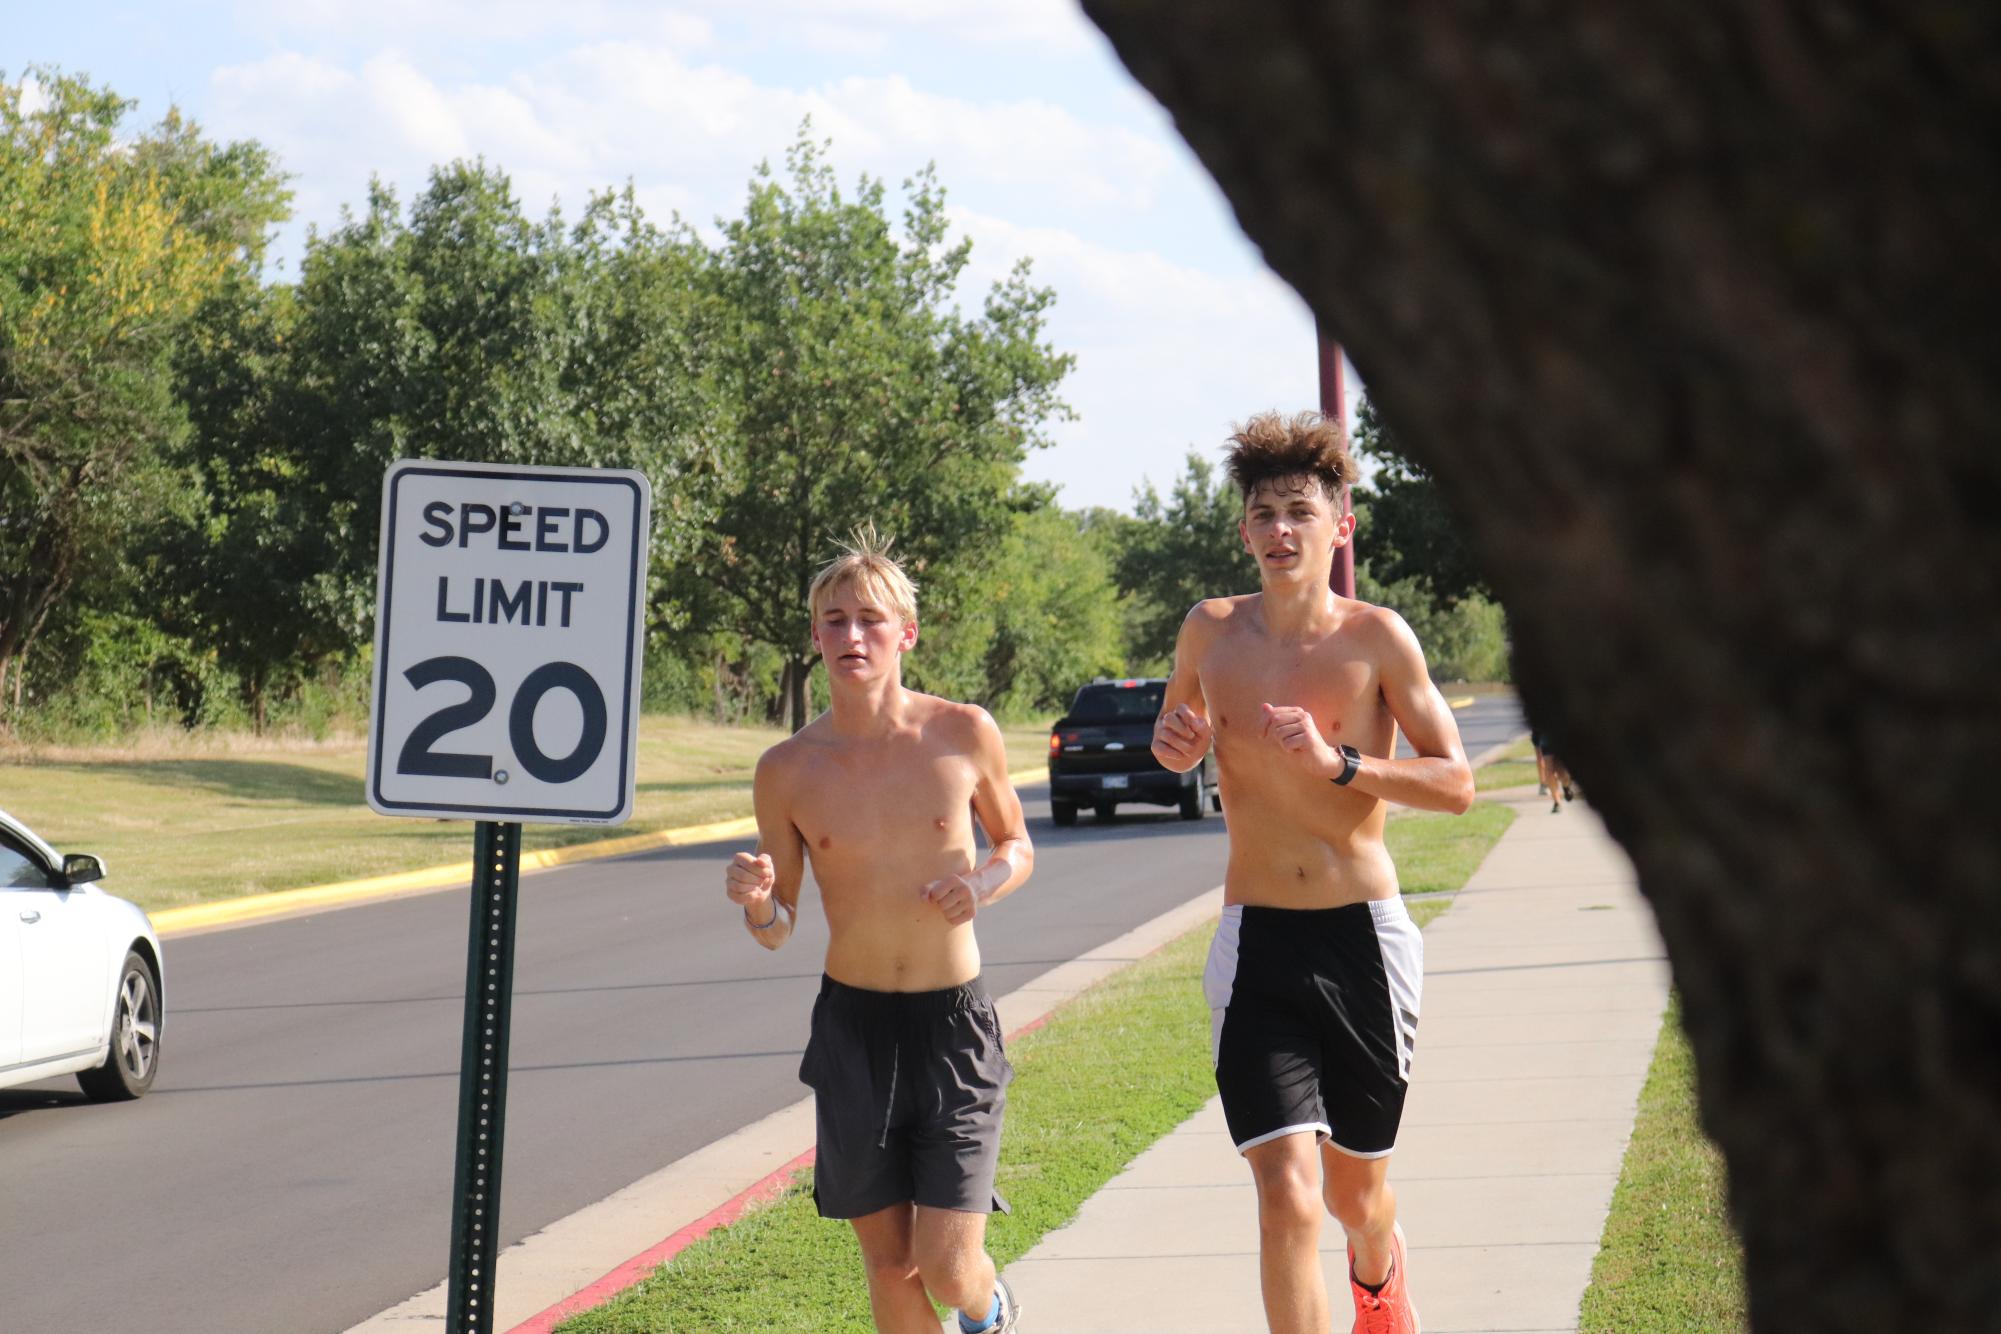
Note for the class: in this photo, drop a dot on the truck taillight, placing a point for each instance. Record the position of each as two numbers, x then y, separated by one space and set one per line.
1055 743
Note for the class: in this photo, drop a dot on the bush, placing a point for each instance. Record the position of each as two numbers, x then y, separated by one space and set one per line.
106 676
1464 640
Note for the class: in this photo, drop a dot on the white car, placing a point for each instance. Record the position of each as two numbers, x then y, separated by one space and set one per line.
79 973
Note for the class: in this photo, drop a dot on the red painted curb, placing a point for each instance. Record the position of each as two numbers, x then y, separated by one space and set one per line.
644 1263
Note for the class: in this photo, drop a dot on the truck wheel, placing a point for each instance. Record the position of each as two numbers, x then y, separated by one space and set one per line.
1063 812
1195 799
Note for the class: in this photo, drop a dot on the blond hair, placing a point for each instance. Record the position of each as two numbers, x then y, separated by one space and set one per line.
865 563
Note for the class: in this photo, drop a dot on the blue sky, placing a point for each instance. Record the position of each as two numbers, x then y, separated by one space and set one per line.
1044 144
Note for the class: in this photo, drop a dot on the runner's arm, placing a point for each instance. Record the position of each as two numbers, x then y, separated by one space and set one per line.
1181 734
1439 778
998 809
778 840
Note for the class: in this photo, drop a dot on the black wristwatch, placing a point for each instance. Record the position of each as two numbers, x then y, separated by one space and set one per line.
1351 763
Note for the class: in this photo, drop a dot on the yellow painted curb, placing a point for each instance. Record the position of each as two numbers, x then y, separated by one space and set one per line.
1458 701
256 907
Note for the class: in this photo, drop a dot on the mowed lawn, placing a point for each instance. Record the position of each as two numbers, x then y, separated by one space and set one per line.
1513 767
1669 1260
182 824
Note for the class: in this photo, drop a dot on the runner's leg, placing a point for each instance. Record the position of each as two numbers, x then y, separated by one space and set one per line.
895 1291
1288 1181
1358 1194
950 1245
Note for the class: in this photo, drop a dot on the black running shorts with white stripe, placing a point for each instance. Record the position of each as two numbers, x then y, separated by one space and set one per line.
1314 1021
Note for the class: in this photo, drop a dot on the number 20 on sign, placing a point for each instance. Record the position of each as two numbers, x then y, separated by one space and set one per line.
510 621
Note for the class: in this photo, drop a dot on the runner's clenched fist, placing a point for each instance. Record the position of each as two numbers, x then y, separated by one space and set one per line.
955 896
749 880
1299 737
1181 738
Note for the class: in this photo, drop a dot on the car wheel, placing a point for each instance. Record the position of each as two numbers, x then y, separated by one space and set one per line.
1063 812
134 1057
1107 811
1195 799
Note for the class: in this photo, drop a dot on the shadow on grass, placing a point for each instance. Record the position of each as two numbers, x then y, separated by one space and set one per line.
256 780
740 783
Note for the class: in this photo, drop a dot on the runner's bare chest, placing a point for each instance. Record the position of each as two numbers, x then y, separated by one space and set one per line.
1334 679
881 806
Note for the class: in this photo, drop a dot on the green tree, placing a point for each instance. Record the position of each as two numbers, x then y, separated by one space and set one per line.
108 245
1045 617
1410 533
859 391
462 330
1179 551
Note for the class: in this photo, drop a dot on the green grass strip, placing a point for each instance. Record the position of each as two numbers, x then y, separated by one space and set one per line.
1504 773
1669 1262
1434 853
1111 1073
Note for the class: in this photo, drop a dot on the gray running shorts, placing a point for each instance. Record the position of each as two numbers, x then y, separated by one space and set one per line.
908 1090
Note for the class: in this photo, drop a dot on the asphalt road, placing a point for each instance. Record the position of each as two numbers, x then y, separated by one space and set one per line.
291 1170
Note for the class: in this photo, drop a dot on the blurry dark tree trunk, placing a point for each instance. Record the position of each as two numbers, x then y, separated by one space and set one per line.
1693 312
798 692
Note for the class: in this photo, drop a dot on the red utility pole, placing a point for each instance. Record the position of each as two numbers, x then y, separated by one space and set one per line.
1334 404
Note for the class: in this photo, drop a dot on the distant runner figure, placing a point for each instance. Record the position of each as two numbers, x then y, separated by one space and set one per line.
1316 970
1551 772
905 1059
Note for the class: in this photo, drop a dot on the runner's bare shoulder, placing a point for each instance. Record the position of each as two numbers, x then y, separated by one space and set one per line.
785 758
1381 633
961 727
1211 615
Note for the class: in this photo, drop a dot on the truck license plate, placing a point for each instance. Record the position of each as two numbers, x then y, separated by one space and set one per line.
1115 780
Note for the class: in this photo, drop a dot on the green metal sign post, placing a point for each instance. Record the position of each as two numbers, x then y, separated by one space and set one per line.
483 1077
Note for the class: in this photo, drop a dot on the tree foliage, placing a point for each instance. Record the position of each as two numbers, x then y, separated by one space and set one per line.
196 455
1411 533
107 248
1180 550
458 330
1044 616
858 391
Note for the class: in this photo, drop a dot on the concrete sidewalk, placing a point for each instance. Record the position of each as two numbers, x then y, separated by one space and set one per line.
1543 994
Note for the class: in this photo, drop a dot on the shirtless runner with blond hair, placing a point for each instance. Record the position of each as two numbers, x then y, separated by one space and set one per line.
1316 971
905 1060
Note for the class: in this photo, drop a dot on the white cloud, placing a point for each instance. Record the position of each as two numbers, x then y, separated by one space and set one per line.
1168 357
594 115
459 23
415 109
31 99
1055 27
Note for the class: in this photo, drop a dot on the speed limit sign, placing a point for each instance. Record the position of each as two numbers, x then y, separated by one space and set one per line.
509 626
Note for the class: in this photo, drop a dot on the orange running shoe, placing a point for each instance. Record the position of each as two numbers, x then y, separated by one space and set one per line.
1389 1311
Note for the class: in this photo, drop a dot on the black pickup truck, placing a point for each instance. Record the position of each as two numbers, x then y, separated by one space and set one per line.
1101 755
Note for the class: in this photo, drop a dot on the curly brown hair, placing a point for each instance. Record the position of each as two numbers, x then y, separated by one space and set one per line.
1274 448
